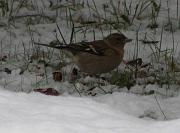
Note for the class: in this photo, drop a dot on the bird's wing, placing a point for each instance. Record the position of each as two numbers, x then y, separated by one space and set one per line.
89 47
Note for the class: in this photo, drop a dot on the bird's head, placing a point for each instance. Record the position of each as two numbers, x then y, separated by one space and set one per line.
117 38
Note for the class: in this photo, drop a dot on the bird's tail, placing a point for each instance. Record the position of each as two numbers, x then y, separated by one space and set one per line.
52 46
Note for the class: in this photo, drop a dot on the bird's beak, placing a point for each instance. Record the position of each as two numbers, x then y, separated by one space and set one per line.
128 40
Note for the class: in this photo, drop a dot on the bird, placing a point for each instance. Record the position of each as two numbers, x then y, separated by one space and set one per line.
98 56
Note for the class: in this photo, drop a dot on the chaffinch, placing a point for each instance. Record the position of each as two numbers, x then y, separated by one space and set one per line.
99 56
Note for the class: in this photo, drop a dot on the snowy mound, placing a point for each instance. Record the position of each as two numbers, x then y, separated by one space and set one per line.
27 113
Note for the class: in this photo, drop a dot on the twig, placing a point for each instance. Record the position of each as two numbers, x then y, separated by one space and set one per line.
61 33
72 32
160 44
165 118
77 90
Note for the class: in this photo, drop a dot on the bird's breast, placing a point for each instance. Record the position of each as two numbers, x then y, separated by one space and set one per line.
94 64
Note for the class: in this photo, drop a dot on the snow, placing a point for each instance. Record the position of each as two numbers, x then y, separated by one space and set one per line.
26 113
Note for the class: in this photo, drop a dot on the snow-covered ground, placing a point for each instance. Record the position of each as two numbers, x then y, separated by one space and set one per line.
24 111
27 113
